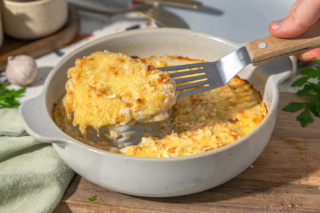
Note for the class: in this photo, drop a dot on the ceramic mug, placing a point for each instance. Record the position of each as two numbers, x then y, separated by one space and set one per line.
33 19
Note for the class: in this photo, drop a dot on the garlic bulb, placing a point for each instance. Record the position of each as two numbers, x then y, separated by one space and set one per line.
21 70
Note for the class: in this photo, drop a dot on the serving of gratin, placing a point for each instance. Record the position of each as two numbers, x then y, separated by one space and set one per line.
113 89
198 123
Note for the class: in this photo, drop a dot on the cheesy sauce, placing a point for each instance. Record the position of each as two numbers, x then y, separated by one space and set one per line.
198 123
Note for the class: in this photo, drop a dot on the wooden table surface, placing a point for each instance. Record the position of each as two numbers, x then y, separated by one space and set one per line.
285 178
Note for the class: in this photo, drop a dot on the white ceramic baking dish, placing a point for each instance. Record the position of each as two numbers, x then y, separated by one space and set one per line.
157 177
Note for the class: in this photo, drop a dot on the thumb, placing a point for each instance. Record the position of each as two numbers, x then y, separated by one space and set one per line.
302 16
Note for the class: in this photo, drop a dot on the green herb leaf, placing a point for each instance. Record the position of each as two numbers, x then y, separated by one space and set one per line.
294 106
314 74
301 81
310 89
8 97
317 62
94 197
306 70
307 90
3 85
305 117
315 105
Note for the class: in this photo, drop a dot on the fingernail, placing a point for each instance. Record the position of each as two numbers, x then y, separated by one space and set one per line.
275 25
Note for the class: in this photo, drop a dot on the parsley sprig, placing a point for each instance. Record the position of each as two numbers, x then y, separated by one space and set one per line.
8 97
94 197
309 89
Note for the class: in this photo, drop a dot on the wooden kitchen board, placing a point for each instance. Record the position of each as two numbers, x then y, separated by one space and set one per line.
285 178
39 47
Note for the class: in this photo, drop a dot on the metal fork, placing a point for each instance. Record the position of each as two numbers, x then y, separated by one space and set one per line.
160 16
206 76
178 3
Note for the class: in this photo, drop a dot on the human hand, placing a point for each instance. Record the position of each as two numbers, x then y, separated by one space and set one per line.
301 16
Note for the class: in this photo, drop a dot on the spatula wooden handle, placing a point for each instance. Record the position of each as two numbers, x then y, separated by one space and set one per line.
270 48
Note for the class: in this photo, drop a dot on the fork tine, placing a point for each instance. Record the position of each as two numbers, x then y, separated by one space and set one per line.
192 92
183 67
188 86
161 19
183 80
172 17
188 72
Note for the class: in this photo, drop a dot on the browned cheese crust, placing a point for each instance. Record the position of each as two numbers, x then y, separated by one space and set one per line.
201 122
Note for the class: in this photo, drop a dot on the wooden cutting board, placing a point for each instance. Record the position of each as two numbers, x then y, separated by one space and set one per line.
285 178
39 47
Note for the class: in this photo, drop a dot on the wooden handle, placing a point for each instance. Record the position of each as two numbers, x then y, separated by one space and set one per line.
270 48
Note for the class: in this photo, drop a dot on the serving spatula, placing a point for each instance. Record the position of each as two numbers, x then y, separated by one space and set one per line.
200 77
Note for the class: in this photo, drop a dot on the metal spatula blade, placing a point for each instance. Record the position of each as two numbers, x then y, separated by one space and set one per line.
200 77
208 75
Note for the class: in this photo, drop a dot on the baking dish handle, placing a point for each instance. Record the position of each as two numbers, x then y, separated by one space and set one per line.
281 69
38 122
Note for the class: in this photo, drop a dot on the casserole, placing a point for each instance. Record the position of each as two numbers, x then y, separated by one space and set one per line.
157 177
197 123
107 89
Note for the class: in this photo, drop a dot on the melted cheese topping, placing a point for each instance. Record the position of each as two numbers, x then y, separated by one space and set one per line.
199 123
113 89
202 122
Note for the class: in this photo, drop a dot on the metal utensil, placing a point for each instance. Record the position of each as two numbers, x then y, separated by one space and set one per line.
202 77
160 16
178 3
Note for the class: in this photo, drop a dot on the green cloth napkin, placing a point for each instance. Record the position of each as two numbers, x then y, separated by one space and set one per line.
33 177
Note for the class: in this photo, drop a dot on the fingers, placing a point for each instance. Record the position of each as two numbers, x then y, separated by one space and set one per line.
302 15
293 7
311 55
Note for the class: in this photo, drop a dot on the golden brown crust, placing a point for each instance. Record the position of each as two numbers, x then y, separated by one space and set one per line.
113 89
204 121
201 122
